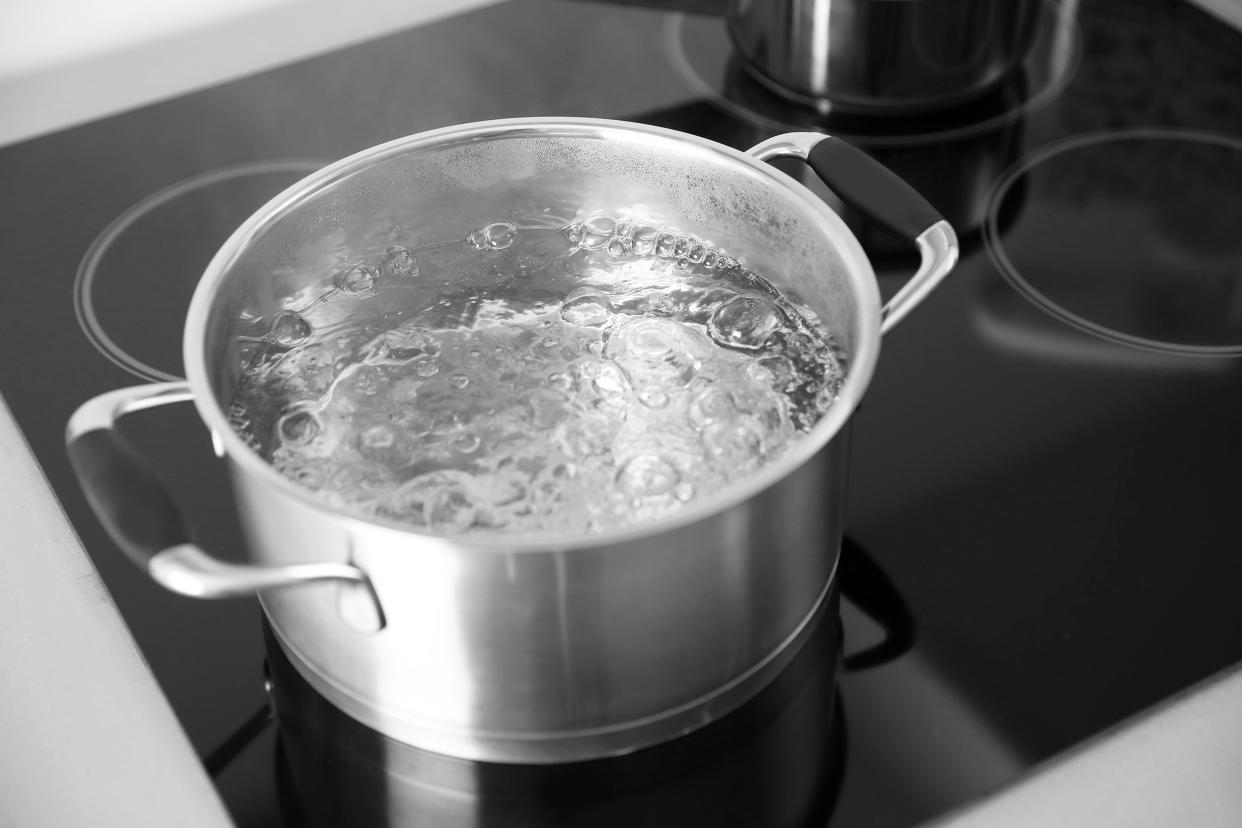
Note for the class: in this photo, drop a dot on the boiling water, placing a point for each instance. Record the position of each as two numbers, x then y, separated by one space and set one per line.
522 380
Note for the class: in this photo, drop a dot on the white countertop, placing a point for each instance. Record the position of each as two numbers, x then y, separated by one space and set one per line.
64 62
95 723
88 737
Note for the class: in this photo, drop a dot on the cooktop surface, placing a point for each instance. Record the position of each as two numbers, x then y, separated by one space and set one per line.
1041 524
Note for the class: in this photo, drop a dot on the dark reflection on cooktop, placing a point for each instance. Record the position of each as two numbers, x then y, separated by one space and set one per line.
778 761
1132 236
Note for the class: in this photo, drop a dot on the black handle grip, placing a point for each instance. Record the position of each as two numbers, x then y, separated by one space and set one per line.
127 497
870 188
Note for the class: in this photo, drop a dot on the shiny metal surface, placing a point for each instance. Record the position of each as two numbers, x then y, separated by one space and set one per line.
882 54
552 648
537 648
706 779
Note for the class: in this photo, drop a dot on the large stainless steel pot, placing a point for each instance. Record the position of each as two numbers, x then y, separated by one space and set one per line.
515 649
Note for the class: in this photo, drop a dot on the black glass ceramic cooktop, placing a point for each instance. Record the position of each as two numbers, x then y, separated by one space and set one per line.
1045 468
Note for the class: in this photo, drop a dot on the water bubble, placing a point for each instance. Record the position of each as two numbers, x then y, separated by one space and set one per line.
653 351
290 330
647 475
426 366
400 261
711 405
710 258
683 263
727 263
739 441
459 380
586 308
466 442
298 428
652 397
697 253
644 239
499 235
384 445
665 244
648 339
681 247
358 279
596 231
745 323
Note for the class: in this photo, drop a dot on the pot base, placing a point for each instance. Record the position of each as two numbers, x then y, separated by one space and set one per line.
568 746
333 771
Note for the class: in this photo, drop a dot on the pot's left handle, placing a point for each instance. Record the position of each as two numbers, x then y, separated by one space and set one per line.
141 517
869 187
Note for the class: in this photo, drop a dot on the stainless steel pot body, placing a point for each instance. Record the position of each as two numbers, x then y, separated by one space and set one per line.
524 649
883 55
558 653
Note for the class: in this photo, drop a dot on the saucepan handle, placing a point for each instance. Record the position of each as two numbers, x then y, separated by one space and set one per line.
869 187
141 517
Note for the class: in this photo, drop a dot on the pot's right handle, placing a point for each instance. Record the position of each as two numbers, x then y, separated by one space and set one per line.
869 187
142 519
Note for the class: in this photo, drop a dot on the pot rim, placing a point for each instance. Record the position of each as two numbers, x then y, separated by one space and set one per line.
859 363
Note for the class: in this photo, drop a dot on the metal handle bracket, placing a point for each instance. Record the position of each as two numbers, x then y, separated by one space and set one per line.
142 519
869 187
